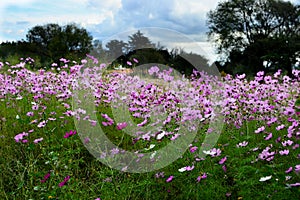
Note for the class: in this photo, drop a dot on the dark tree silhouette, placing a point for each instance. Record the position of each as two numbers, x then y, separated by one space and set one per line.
253 32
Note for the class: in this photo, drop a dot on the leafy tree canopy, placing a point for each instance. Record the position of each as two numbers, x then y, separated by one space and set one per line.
250 33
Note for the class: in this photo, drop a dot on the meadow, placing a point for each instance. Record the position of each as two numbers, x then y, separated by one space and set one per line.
49 150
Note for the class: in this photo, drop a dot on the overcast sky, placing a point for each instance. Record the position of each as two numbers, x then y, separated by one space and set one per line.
105 18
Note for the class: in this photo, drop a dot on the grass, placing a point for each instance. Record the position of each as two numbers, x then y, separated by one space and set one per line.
24 165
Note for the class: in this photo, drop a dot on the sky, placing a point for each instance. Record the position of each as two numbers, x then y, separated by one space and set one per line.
105 19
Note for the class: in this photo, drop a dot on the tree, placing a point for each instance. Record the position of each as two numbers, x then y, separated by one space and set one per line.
139 41
252 32
116 48
53 41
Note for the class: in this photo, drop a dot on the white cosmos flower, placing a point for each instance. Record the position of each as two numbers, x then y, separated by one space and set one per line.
161 135
150 147
152 155
263 179
209 152
183 169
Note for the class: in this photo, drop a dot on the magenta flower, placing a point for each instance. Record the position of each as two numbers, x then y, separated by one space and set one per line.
193 149
269 136
224 168
297 168
175 136
20 136
259 130
204 176
242 144
278 128
129 63
284 152
24 141
135 60
169 179
294 184
160 175
69 134
121 126
289 170
287 143
223 160
46 177
38 140
67 178
42 124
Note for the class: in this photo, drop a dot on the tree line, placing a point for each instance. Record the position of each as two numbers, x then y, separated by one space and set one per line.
250 36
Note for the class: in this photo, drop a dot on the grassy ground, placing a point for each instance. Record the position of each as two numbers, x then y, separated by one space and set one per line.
24 165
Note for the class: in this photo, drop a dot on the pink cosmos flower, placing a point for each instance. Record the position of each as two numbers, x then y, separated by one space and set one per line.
37 140
69 134
287 143
46 177
193 149
169 179
294 184
284 152
67 178
297 168
204 176
175 136
278 128
223 160
224 168
121 126
259 130
289 170
42 124
20 136
269 136
242 144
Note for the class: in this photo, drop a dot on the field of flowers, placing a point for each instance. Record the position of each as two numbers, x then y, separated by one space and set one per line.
49 150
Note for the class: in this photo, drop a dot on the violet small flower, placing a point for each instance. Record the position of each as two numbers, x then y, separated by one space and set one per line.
297 168
242 144
269 136
259 130
278 128
223 160
204 176
287 143
284 152
20 136
42 124
46 177
193 149
224 168
294 184
67 178
29 114
121 126
69 134
289 170
38 140
169 179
